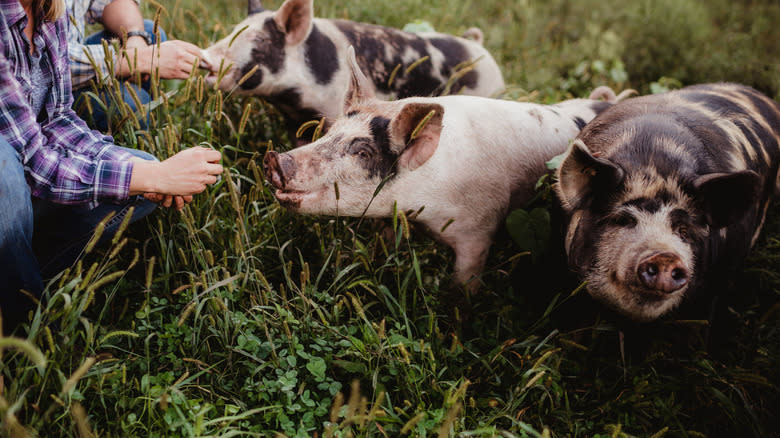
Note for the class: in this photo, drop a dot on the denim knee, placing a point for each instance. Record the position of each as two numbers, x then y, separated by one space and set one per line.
149 27
16 214
18 265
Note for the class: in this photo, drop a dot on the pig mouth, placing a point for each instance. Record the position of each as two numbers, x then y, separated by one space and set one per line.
294 199
289 199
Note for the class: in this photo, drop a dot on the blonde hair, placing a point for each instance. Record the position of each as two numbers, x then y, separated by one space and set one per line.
50 9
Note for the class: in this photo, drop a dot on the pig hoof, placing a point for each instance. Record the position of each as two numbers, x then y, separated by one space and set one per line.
663 272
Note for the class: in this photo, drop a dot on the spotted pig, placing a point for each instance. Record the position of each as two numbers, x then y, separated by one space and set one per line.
457 162
302 69
666 194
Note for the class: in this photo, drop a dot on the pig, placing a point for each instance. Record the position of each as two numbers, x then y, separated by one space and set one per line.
302 70
459 163
664 195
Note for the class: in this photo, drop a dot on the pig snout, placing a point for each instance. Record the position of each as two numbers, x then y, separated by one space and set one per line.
278 168
664 272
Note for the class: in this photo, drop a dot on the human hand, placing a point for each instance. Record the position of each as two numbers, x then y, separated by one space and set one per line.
184 174
175 59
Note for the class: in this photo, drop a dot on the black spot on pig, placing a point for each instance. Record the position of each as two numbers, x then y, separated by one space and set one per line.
288 102
321 56
650 205
378 52
267 52
419 82
579 122
252 81
370 51
384 159
455 53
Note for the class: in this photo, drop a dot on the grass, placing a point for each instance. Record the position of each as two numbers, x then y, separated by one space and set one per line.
237 318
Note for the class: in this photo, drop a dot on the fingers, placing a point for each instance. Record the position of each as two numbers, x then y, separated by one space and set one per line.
175 201
180 56
153 197
210 155
213 169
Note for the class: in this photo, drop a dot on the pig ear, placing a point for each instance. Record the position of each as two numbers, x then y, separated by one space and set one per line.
254 7
417 128
582 175
726 197
294 18
359 89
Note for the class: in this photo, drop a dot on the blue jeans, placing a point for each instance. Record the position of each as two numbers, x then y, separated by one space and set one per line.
39 238
98 119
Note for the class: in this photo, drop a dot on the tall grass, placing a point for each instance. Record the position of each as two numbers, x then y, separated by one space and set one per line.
236 318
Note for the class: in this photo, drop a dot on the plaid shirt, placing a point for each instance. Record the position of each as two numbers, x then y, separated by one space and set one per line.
64 161
81 13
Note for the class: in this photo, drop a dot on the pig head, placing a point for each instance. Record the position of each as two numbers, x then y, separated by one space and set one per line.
457 162
665 194
298 62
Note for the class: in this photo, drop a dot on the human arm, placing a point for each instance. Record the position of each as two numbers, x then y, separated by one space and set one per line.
173 58
63 160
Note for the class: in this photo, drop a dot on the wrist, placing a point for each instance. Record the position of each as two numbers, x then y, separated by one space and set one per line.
135 41
145 177
134 59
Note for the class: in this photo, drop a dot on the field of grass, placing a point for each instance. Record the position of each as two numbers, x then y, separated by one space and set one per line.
236 318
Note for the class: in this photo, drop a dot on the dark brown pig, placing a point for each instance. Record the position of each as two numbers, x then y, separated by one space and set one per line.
665 194
461 161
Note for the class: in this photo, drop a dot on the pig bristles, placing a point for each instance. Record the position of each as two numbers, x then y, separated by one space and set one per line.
421 125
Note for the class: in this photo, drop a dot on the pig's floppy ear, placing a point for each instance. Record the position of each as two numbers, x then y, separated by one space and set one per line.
294 18
726 197
582 175
418 129
254 7
360 88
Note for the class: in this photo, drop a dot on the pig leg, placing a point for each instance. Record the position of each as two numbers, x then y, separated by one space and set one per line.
470 256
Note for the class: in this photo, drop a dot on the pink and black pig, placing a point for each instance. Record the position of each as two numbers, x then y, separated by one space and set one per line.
665 195
460 161
302 67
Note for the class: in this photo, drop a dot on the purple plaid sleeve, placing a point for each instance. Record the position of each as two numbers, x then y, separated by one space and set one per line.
64 160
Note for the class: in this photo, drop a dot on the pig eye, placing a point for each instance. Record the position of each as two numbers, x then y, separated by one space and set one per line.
360 149
622 219
682 231
680 222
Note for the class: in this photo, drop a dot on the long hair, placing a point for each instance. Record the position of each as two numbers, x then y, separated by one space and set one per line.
51 10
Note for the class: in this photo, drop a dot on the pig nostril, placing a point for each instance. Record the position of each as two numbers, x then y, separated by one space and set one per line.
679 274
651 270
